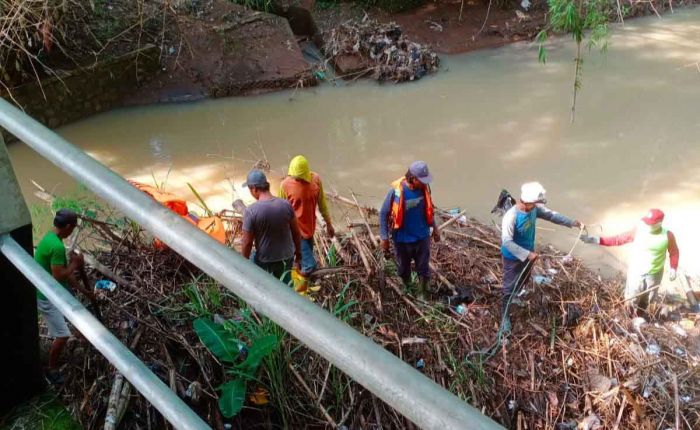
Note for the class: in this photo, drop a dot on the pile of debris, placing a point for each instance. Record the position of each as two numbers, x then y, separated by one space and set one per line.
574 360
385 52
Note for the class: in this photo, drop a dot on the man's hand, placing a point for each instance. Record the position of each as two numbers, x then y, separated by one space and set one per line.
90 296
436 234
385 245
330 230
672 274
297 262
578 224
77 260
595 240
533 256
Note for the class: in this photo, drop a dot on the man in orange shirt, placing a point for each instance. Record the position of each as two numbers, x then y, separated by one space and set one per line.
304 190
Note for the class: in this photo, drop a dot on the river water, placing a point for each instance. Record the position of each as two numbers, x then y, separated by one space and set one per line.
488 120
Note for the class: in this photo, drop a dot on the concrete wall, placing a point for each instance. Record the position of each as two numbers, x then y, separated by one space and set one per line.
83 92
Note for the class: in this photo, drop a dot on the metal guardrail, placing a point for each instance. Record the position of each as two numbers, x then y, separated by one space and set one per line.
152 388
401 386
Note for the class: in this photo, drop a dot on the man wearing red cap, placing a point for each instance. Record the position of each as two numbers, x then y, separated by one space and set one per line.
650 242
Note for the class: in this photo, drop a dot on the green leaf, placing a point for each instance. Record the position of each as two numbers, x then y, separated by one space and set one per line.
201 200
232 397
259 349
219 341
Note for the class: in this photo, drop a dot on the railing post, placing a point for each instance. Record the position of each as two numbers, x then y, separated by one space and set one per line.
21 372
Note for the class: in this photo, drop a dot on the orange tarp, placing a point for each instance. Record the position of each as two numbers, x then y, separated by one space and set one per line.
213 226
170 201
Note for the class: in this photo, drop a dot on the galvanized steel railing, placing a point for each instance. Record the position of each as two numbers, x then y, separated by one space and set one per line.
401 386
152 388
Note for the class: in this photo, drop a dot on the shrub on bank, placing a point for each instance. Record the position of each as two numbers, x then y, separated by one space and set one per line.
396 5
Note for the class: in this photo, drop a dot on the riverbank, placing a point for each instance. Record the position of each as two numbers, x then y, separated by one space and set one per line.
573 360
214 48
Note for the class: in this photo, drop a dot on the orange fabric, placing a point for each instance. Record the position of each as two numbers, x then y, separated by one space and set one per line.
303 196
170 201
214 227
398 205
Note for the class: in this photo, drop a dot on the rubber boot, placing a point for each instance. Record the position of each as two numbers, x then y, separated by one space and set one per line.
423 288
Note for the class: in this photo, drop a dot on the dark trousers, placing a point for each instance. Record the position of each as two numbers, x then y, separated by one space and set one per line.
279 269
515 274
419 252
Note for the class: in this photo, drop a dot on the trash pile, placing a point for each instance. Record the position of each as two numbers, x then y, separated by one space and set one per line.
387 53
574 359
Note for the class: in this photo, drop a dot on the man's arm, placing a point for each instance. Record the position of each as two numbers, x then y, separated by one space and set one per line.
507 233
323 208
673 252
618 240
555 217
247 245
296 237
281 193
384 216
63 272
248 235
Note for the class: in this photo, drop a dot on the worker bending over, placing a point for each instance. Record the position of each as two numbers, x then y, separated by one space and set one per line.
407 216
518 240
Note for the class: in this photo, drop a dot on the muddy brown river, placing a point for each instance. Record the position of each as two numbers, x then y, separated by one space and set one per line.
488 120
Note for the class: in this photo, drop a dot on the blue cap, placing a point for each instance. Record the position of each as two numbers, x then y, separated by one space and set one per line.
419 169
65 217
255 178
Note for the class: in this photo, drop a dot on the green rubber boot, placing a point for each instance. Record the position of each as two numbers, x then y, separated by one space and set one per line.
423 288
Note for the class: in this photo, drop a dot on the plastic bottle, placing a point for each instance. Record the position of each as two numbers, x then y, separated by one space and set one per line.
105 284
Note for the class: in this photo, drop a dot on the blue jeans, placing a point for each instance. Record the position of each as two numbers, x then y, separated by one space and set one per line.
308 260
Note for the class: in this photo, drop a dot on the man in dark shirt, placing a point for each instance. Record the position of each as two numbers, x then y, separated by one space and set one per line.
271 225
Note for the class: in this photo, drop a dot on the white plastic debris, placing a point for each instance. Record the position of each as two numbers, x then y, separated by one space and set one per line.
679 330
591 422
525 4
653 349
512 404
638 322
685 399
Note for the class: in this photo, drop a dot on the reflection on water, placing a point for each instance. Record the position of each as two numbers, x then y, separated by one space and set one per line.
489 120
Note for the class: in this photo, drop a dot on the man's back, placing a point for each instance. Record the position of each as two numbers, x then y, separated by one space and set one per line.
269 220
304 197
50 252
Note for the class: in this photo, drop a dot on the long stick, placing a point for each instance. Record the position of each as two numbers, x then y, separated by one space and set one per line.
466 236
311 394
452 220
372 237
674 379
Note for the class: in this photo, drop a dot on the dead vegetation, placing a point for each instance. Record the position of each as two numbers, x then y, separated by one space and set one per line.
391 56
575 360
41 38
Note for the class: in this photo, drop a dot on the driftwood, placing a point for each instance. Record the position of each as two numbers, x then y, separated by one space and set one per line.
573 357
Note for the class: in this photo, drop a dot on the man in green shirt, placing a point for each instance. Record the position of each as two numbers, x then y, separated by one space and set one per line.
51 255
